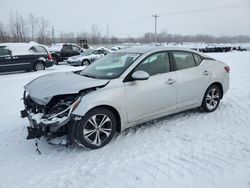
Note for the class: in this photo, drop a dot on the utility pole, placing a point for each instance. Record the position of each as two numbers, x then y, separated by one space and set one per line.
155 16
107 30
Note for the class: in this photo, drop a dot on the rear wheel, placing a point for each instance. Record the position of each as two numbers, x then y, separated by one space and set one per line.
96 128
39 66
211 99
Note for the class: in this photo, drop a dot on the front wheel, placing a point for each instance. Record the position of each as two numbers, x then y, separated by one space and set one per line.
211 99
85 62
96 128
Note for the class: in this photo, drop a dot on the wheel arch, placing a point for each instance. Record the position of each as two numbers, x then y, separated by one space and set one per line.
114 111
85 59
219 85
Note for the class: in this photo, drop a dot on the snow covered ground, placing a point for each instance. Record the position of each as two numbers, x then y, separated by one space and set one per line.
190 149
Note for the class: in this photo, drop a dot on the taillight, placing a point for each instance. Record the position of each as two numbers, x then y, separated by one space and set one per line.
49 57
227 68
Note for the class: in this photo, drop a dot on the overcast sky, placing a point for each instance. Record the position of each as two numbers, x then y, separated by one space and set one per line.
134 17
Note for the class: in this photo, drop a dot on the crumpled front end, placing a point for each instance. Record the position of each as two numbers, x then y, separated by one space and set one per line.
52 120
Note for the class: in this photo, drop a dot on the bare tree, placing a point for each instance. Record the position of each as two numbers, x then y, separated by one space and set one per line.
3 33
95 34
33 22
18 27
43 26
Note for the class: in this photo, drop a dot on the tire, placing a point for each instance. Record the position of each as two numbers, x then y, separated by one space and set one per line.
91 133
39 66
85 62
211 99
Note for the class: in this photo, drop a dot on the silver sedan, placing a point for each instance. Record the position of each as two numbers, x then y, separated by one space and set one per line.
120 90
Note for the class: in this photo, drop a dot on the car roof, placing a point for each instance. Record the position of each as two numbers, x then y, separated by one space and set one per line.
151 49
20 48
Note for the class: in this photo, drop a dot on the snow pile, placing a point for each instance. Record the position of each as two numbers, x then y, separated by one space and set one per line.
190 149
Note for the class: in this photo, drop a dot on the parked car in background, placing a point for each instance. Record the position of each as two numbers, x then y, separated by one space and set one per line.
24 56
216 48
62 51
120 90
116 48
87 57
239 48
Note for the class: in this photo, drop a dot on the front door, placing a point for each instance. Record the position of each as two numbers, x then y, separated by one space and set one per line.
155 96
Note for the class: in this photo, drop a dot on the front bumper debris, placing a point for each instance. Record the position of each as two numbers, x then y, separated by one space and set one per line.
52 130
34 133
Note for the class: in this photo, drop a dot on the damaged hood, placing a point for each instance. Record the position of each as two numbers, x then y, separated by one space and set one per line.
43 88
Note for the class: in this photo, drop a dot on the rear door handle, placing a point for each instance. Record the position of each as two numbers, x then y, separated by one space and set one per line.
205 73
170 81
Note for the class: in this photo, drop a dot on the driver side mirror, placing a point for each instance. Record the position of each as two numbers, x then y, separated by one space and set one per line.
140 75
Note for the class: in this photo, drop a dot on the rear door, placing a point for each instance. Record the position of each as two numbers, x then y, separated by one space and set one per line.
193 78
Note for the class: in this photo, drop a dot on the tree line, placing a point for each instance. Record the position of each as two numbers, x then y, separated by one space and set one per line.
38 29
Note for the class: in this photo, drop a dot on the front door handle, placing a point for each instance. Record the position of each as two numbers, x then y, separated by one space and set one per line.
170 81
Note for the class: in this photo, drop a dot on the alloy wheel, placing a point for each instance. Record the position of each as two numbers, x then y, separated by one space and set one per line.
97 129
39 66
212 98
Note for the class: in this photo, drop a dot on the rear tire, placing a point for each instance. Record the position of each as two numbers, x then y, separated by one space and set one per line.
39 66
96 129
211 99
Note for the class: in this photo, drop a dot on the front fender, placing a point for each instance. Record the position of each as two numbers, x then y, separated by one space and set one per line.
112 97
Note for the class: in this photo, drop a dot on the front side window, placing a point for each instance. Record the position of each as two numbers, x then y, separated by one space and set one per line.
67 48
110 66
4 51
155 64
184 60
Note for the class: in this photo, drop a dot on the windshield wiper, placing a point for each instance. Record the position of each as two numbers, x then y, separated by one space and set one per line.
89 76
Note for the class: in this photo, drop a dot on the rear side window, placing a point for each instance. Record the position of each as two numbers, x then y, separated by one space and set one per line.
184 60
198 59
96 52
37 50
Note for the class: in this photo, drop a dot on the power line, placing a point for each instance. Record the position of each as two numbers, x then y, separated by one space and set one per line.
206 9
239 5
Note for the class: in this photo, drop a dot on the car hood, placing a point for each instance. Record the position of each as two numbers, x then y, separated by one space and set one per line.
43 88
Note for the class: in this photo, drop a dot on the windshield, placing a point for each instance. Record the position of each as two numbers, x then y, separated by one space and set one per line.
110 66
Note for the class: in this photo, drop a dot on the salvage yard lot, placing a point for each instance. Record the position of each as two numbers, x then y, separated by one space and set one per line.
190 149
